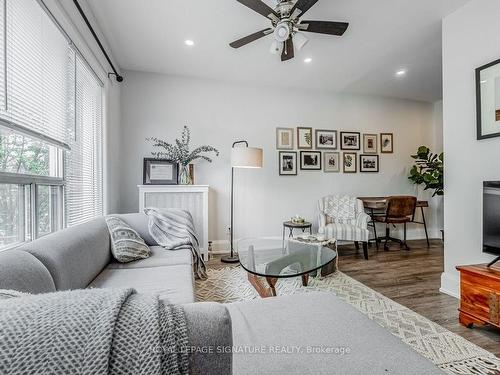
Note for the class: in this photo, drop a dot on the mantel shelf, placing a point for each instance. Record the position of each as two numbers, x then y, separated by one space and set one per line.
174 186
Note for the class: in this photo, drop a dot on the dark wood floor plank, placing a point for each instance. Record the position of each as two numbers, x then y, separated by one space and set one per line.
411 278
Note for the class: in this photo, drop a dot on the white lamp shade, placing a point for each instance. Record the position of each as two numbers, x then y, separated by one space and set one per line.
276 47
246 157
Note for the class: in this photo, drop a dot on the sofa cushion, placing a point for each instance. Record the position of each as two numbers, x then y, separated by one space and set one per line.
139 222
174 284
325 335
74 256
126 244
345 232
159 257
22 272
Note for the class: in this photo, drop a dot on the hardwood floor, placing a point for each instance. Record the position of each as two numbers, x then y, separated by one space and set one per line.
411 278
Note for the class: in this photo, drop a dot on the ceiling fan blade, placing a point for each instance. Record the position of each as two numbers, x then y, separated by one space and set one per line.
261 8
300 7
288 52
250 38
324 27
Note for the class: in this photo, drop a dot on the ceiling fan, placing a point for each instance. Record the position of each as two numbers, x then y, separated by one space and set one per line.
287 26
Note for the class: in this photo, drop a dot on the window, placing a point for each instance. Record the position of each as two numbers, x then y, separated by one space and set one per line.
14 224
84 160
50 128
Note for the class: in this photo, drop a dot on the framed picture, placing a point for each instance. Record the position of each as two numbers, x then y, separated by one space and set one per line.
304 138
159 172
386 143
310 160
488 100
326 139
370 143
331 162
350 160
288 163
368 163
284 138
350 141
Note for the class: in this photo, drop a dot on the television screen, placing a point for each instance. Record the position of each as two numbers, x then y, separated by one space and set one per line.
491 217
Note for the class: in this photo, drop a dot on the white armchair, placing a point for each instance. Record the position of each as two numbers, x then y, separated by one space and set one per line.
343 217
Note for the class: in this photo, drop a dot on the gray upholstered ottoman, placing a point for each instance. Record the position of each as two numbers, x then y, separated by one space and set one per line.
316 333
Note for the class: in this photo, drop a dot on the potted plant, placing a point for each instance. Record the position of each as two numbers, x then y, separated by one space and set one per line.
178 152
428 170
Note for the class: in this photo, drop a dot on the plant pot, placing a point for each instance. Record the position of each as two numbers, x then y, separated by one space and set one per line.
184 175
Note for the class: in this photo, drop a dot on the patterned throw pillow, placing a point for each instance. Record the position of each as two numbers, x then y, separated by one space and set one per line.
126 244
341 208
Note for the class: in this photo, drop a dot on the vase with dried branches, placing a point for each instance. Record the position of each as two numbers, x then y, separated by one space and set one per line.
178 152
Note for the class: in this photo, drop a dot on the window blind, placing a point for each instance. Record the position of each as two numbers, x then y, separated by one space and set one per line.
3 78
40 73
83 164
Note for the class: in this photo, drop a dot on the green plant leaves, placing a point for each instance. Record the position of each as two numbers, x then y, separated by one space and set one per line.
428 170
179 151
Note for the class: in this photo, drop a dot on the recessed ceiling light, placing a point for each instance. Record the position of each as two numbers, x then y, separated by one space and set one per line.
307 60
401 73
189 42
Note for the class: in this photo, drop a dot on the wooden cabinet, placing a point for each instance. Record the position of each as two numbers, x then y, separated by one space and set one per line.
479 295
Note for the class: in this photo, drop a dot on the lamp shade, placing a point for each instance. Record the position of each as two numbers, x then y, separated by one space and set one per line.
246 157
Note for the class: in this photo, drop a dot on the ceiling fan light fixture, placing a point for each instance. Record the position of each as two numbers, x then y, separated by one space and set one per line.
276 47
282 32
299 40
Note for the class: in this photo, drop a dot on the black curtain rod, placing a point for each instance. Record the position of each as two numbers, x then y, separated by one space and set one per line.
119 78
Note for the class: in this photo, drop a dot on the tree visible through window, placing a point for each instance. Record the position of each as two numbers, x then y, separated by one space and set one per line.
22 155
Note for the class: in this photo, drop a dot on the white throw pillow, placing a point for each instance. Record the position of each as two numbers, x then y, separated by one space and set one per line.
126 244
341 208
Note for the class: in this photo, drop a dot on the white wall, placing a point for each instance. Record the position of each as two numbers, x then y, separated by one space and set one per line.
437 147
468 42
218 114
112 149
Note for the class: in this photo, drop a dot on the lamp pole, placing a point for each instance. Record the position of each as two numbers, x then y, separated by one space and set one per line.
232 258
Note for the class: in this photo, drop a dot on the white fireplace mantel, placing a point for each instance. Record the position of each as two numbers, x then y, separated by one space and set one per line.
192 198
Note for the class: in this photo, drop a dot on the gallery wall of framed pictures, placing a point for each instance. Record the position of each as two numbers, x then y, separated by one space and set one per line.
330 151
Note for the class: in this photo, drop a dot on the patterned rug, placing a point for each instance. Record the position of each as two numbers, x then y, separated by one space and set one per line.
449 351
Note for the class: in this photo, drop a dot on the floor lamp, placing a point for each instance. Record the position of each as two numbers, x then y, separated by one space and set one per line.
242 156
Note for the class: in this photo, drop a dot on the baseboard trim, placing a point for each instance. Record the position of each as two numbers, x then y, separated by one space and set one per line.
450 284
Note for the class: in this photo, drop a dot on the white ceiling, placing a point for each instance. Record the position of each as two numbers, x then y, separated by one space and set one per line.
384 36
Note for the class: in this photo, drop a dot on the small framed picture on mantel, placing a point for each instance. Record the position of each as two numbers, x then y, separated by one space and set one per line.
159 172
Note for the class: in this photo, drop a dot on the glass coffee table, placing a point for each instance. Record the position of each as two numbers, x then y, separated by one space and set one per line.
271 260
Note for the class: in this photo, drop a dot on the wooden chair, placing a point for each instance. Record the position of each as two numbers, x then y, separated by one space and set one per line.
399 210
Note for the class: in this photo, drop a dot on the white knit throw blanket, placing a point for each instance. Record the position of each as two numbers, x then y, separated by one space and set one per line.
173 229
93 331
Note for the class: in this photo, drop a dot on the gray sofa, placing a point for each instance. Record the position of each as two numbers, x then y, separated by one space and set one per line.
80 257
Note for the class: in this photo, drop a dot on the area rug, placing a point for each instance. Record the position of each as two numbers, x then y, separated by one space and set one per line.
447 350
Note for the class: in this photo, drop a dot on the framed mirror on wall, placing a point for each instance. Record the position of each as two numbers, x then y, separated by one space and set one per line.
488 100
